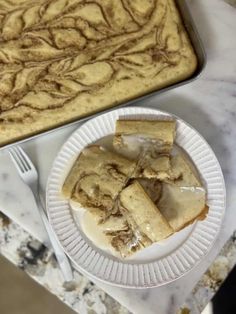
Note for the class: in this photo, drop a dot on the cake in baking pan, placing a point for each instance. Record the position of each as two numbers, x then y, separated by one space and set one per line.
63 60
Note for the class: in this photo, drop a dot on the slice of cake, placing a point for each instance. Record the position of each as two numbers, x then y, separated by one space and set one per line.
181 206
137 207
144 223
96 178
181 198
134 136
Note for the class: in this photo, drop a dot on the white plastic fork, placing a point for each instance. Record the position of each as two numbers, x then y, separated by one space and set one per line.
29 175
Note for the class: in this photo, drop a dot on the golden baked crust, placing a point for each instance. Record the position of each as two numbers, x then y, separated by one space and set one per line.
62 60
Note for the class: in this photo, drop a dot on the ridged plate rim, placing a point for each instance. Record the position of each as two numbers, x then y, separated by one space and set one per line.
128 273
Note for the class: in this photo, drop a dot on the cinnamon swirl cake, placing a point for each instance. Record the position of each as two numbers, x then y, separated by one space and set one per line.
63 60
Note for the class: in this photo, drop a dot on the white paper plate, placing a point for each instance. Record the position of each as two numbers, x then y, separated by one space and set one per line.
160 263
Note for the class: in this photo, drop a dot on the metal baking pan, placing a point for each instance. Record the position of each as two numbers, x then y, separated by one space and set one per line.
199 51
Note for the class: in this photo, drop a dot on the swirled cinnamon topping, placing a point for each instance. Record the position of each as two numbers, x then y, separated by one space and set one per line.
61 60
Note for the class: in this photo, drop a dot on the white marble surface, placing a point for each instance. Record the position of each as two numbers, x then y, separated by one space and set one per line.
209 104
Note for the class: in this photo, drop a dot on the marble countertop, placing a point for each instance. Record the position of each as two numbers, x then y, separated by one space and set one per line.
209 105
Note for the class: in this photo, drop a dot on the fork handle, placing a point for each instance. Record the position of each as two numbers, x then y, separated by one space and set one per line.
61 257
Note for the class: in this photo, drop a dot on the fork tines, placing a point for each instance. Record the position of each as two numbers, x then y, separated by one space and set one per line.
20 159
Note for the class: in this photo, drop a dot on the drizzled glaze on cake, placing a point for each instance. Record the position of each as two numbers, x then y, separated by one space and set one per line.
61 60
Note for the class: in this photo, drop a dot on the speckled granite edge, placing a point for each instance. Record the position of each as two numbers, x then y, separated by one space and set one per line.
84 297
211 281
38 262
231 2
